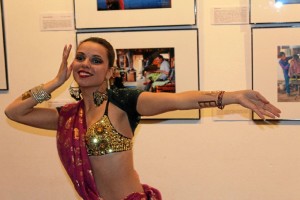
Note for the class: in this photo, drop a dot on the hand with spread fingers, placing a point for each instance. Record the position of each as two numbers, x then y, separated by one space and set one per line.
64 71
257 103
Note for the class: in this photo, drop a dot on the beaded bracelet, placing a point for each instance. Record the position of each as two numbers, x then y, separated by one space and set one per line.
220 100
39 94
213 103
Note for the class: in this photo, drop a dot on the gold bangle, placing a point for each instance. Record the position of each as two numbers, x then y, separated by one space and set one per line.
26 95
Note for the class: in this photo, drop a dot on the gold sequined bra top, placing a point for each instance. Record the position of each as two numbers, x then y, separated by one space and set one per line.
102 138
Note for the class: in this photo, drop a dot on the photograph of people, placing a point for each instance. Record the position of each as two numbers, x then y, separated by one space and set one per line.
147 68
288 73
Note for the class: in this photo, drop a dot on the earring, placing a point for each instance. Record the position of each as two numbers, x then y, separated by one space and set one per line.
108 84
75 92
99 97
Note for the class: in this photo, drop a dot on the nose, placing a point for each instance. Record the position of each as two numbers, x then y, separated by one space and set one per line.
86 63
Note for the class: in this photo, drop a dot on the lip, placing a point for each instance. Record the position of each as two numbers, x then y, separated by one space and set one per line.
84 74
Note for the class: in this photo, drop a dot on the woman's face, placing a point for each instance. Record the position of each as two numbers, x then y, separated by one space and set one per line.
90 66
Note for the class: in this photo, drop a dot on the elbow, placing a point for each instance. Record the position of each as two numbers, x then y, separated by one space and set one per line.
10 114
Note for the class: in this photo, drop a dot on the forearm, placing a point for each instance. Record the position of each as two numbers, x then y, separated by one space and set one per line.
205 99
26 102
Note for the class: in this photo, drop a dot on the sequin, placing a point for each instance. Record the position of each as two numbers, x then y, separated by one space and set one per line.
102 138
76 133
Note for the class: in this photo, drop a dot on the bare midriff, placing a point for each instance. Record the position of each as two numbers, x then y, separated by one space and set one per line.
115 175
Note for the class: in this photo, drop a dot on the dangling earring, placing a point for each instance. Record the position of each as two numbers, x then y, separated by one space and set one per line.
75 92
108 83
99 97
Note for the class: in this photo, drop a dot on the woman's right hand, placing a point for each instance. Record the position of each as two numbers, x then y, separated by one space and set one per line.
64 71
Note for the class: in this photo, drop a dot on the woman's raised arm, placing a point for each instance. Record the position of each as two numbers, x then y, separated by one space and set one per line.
23 108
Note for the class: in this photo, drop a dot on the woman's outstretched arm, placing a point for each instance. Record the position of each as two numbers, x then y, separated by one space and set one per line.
157 103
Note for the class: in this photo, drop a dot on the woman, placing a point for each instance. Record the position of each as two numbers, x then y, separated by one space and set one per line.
294 66
94 136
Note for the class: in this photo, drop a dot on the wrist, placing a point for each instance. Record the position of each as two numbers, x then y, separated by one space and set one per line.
230 98
55 83
213 99
219 103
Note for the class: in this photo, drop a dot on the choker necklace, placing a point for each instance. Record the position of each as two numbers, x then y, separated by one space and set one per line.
99 97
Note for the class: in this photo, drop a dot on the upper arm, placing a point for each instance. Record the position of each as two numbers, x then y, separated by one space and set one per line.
45 118
156 103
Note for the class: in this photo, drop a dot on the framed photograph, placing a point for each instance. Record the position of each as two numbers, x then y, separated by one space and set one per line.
3 64
140 55
274 11
276 68
133 13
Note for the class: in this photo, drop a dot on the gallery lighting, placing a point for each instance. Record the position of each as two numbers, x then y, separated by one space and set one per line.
278 4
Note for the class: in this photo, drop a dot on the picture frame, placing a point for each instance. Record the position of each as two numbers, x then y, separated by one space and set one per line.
269 74
274 11
3 59
185 45
87 15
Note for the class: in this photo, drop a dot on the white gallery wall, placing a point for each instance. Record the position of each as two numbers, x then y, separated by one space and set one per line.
222 156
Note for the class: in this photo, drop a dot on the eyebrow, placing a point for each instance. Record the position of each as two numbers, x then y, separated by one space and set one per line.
94 55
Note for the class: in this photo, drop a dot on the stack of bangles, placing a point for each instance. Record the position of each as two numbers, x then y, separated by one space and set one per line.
213 103
38 93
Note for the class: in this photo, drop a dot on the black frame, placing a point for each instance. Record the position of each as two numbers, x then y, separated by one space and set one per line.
5 87
264 69
181 77
264 12
119 19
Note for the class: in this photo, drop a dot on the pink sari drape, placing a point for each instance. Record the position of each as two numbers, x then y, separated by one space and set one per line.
150 193
72 150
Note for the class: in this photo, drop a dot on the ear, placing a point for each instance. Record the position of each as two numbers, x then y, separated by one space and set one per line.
109 73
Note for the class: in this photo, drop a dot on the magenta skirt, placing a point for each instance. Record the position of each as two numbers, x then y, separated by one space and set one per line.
150 193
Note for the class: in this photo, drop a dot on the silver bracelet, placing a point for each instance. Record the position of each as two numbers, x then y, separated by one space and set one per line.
39 94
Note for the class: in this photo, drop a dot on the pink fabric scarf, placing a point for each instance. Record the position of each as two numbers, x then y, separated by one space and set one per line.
150 193
72 150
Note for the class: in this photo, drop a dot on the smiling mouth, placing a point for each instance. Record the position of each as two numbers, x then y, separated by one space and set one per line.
84 74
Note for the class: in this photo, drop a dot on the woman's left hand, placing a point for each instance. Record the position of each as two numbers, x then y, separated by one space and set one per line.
256 102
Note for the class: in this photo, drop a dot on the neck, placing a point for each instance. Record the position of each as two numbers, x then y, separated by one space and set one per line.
88 100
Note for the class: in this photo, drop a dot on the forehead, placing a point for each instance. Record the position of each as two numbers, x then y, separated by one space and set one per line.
92 48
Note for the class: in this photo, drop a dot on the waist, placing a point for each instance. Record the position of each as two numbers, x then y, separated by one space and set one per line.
118 188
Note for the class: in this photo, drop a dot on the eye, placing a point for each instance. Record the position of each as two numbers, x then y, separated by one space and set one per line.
97 60
80 57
